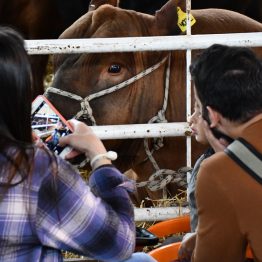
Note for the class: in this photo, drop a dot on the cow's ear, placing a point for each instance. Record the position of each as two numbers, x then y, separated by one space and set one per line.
94 4
166 18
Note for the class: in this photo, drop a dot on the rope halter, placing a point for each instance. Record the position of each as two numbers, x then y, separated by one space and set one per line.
161 177
86 110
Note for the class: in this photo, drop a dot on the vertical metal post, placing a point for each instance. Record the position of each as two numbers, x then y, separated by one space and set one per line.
188 86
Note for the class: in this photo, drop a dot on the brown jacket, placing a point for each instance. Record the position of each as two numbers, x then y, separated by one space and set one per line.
229 207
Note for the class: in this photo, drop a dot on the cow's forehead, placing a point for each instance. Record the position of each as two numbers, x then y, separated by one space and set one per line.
109 21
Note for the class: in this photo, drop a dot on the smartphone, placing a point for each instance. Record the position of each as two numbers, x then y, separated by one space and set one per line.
218 134
49 125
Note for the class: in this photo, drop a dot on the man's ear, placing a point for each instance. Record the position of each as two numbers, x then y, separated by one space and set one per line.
214 116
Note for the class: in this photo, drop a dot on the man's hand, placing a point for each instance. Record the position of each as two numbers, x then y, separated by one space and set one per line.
187 246
217 144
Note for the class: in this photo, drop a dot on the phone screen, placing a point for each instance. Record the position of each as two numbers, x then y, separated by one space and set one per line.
48 124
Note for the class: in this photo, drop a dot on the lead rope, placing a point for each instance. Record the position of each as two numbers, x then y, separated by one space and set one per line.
161 177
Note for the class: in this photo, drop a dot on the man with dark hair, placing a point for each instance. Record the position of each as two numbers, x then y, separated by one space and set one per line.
228 86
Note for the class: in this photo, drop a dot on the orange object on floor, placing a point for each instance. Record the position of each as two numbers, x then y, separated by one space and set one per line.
166 253
169 252
176 225
172 226
249 253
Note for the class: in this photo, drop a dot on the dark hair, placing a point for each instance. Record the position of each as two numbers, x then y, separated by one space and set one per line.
229 79
15 86
15 102
16 145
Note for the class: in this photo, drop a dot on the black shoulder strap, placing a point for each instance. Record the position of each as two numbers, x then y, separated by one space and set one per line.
246 156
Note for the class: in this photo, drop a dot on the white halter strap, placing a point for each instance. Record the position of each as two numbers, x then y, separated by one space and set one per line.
86 110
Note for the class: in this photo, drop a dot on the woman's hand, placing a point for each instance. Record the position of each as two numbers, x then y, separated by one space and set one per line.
37 140
83 140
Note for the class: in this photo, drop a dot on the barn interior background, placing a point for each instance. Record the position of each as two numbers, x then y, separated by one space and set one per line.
52 18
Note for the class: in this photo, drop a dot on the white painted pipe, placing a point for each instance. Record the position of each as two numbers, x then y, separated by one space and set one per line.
159 213
188 85
142 130
132 44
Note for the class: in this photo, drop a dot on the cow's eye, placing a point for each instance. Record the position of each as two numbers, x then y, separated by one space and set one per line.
114 69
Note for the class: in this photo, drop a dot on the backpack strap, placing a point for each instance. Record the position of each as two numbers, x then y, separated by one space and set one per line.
246 156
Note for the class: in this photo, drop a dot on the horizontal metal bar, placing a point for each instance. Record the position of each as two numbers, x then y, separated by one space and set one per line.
159 213
142 130
131 44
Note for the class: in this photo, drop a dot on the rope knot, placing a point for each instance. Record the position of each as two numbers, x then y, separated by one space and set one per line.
161 117
161 178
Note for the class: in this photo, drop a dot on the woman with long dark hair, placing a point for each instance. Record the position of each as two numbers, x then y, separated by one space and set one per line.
45 206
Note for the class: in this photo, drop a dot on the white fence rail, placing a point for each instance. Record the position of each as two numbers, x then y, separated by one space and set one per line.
142 130
135 44
132 44
159 213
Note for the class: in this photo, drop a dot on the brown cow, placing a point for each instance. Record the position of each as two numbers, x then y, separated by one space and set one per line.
85 74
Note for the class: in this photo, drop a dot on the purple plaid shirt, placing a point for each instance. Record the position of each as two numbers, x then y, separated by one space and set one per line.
95 220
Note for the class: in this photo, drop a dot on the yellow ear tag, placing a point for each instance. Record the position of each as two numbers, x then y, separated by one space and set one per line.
181 21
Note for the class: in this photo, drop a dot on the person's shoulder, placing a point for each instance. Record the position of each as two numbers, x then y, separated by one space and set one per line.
49 164
47 157
214 160
212 172
215 165
43 155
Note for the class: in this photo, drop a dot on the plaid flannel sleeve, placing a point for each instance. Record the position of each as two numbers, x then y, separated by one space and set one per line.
95 220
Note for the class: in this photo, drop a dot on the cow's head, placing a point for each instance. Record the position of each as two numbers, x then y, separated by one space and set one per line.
86 74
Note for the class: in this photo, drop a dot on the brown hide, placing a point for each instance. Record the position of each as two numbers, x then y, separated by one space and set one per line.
251 8
84 74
